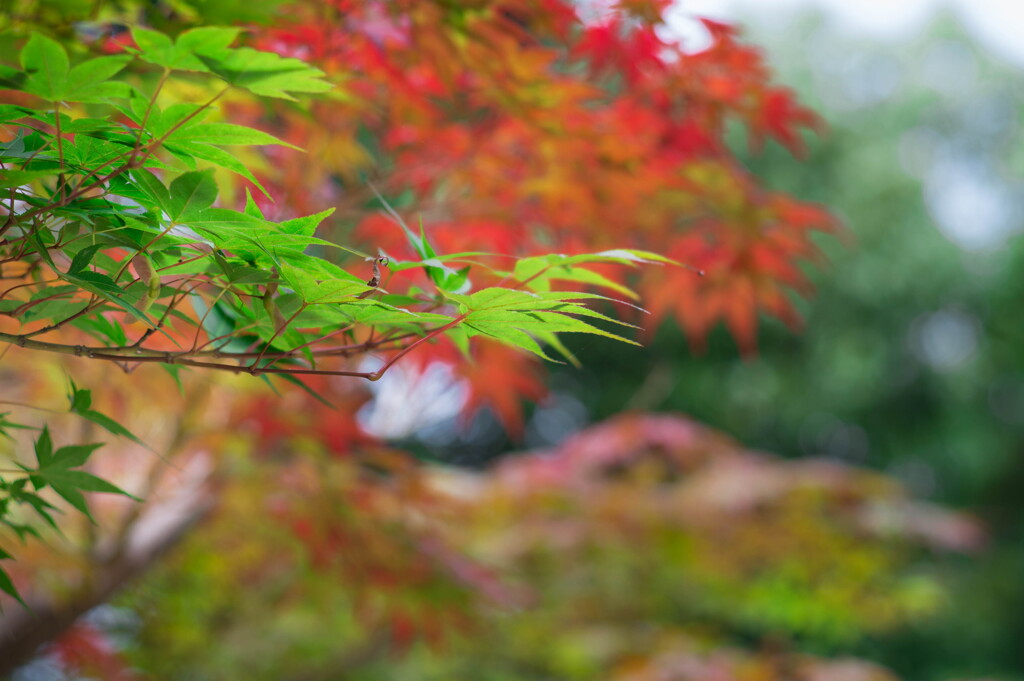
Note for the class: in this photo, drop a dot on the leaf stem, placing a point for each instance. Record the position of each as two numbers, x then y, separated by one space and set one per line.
409 348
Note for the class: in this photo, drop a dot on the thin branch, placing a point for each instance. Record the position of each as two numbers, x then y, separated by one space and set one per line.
277 332
25 405
27 284
93 303
177 126
29 304
61 181
149 110
436 332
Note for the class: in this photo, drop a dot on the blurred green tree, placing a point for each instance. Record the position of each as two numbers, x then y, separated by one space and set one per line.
910 359
647 548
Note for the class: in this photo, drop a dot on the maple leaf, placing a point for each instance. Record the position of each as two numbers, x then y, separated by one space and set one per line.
476 117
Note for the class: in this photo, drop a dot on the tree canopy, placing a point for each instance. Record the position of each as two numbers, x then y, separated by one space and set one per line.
286 191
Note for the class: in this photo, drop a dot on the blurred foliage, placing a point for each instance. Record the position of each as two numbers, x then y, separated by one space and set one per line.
910 360
91 231
647 545
648 548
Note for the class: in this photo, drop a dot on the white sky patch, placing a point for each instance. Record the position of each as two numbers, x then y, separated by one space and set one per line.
970 204
970 200
999 24
945 339
996 24
881 17
408 398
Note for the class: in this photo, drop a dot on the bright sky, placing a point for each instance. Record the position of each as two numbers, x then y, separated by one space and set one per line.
971 203
997 24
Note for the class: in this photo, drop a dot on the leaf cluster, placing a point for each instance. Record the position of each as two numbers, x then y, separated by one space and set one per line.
113 228
121 212
56 468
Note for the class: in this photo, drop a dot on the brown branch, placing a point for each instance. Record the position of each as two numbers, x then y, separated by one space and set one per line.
138 355
277 332
61 180
23 632
89 307
149 110
134 161
181 293
29 304
234 368
402 353
27 284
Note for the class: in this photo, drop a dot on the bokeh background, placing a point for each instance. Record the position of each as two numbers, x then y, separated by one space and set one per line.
911 360
909 365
